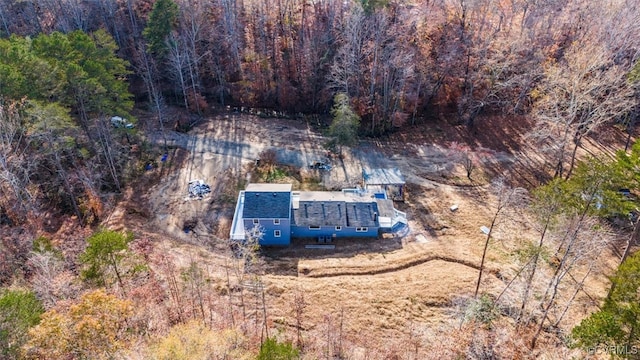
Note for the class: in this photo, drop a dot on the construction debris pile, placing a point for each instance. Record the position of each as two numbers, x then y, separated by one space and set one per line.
198 189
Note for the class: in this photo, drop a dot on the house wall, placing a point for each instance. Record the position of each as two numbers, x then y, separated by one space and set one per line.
306 232
269 228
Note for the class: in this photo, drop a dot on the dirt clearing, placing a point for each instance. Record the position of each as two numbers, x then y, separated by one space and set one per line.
383 286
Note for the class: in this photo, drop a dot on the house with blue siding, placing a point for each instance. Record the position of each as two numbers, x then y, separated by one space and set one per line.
268 208
283 214
334 214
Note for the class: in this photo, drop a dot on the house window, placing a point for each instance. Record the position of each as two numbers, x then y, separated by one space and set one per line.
361 229
338 228
276 233
314 227
276 221
256 221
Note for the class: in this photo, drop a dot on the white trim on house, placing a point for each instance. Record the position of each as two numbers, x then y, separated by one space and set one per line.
237 225
277 233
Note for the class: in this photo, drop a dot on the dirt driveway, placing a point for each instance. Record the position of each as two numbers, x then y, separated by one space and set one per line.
223 150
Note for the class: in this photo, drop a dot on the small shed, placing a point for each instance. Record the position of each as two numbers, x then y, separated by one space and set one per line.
389 182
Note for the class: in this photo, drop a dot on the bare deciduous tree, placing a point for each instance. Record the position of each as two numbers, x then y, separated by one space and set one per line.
577 96
580 244
50 280
299 305
194 281
245 263
507 199
14 168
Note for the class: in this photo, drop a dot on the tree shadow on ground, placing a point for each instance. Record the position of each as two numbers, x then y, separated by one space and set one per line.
502 135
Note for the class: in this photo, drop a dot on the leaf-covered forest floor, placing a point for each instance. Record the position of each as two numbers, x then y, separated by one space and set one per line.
392 288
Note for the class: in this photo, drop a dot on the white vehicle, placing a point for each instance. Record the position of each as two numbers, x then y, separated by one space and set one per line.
120 122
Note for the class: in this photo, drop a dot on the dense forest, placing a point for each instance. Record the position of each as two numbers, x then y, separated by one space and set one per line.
397 61
568 64
570 67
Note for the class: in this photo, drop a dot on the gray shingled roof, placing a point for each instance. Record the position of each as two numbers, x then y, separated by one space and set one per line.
320 213
385 207
335 213
266 205
362 214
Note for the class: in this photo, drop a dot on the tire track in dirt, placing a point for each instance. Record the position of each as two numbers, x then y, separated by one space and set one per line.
403 266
